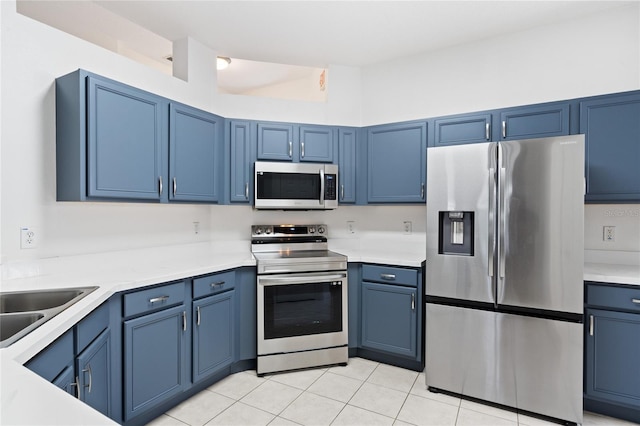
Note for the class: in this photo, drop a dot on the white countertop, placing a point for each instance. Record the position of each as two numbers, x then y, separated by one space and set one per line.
125 270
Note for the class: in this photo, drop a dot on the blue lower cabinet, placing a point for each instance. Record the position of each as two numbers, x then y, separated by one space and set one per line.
213 334
155 359
389 318
67 380
94 374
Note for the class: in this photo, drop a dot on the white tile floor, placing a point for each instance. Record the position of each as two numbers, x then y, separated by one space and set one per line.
362 393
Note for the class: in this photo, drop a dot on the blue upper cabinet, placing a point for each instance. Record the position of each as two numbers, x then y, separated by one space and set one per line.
469 128
396 163
535 121
611 125
110 140
275 141
195 154
241 143
347 139
316 143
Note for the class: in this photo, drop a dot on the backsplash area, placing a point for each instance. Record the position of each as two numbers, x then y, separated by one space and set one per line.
625 246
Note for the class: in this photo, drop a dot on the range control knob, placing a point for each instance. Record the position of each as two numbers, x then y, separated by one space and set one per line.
258 231
321 229
268 231
312 230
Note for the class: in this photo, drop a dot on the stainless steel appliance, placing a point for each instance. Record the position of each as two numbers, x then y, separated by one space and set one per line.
301 299
504 280
302 186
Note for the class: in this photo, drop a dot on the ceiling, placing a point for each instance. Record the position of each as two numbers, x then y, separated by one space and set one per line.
306 33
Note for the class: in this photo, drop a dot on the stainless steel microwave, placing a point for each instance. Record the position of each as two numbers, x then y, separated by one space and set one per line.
296 186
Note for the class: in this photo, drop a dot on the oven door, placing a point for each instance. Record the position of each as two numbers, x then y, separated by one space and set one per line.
298 312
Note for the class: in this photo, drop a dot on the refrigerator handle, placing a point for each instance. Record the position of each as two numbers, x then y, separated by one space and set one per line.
492 238
502 223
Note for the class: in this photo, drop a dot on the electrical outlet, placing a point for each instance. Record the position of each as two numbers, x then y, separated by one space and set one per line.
351 227
196 228
609 234
407 227
28 238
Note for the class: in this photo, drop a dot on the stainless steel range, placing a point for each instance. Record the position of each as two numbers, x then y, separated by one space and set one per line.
302 298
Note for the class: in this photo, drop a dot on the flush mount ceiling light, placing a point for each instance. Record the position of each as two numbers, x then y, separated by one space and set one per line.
222 62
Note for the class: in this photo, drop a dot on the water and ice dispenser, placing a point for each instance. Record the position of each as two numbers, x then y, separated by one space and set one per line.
456 233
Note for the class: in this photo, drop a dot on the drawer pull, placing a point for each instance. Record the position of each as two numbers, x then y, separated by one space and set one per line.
388 277
158 299
636 301
217 284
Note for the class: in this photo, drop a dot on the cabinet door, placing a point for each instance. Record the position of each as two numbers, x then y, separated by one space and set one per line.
463 129
155 361
613 351
67 381
347 165
612 147
124 148
536 121
275 141
195 151
93 367
316 144
241 162
397 163
389 318
213 334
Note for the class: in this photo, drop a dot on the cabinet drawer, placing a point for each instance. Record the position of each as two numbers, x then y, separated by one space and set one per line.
390 274
91 326
614 297
153 298
213 284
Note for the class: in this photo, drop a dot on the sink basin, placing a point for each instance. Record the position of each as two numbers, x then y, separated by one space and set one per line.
21 312
36 300
11 324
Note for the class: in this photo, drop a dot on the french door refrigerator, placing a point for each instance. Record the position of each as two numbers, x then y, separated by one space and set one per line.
504 273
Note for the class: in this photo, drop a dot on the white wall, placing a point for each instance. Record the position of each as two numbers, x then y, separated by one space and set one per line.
33 55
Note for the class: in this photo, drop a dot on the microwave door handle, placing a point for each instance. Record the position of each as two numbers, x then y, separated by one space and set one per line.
321 186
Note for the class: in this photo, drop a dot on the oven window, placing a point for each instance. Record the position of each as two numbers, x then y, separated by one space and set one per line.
302 309
288 186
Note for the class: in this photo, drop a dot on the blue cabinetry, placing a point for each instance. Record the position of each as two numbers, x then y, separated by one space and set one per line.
94 374
535 121
390 315
195 154
275 141
316 143
396 163
469 128
242 148
155 352
347 143
612 351
611 125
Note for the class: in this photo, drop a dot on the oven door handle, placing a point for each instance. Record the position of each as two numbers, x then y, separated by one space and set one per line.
299 279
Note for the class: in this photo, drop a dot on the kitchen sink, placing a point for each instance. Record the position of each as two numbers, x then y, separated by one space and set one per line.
21 312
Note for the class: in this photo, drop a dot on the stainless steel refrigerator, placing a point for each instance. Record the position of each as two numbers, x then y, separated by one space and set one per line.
504 273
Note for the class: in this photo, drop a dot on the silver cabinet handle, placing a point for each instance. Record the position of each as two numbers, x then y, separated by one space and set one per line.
217 284
422 190
388 277
301 149
160 185
590 325
246 190
198 315
175 186
88 370
77 386
290 149
158 299
342 192
504 129
487 126
636 301
184 320
413 301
